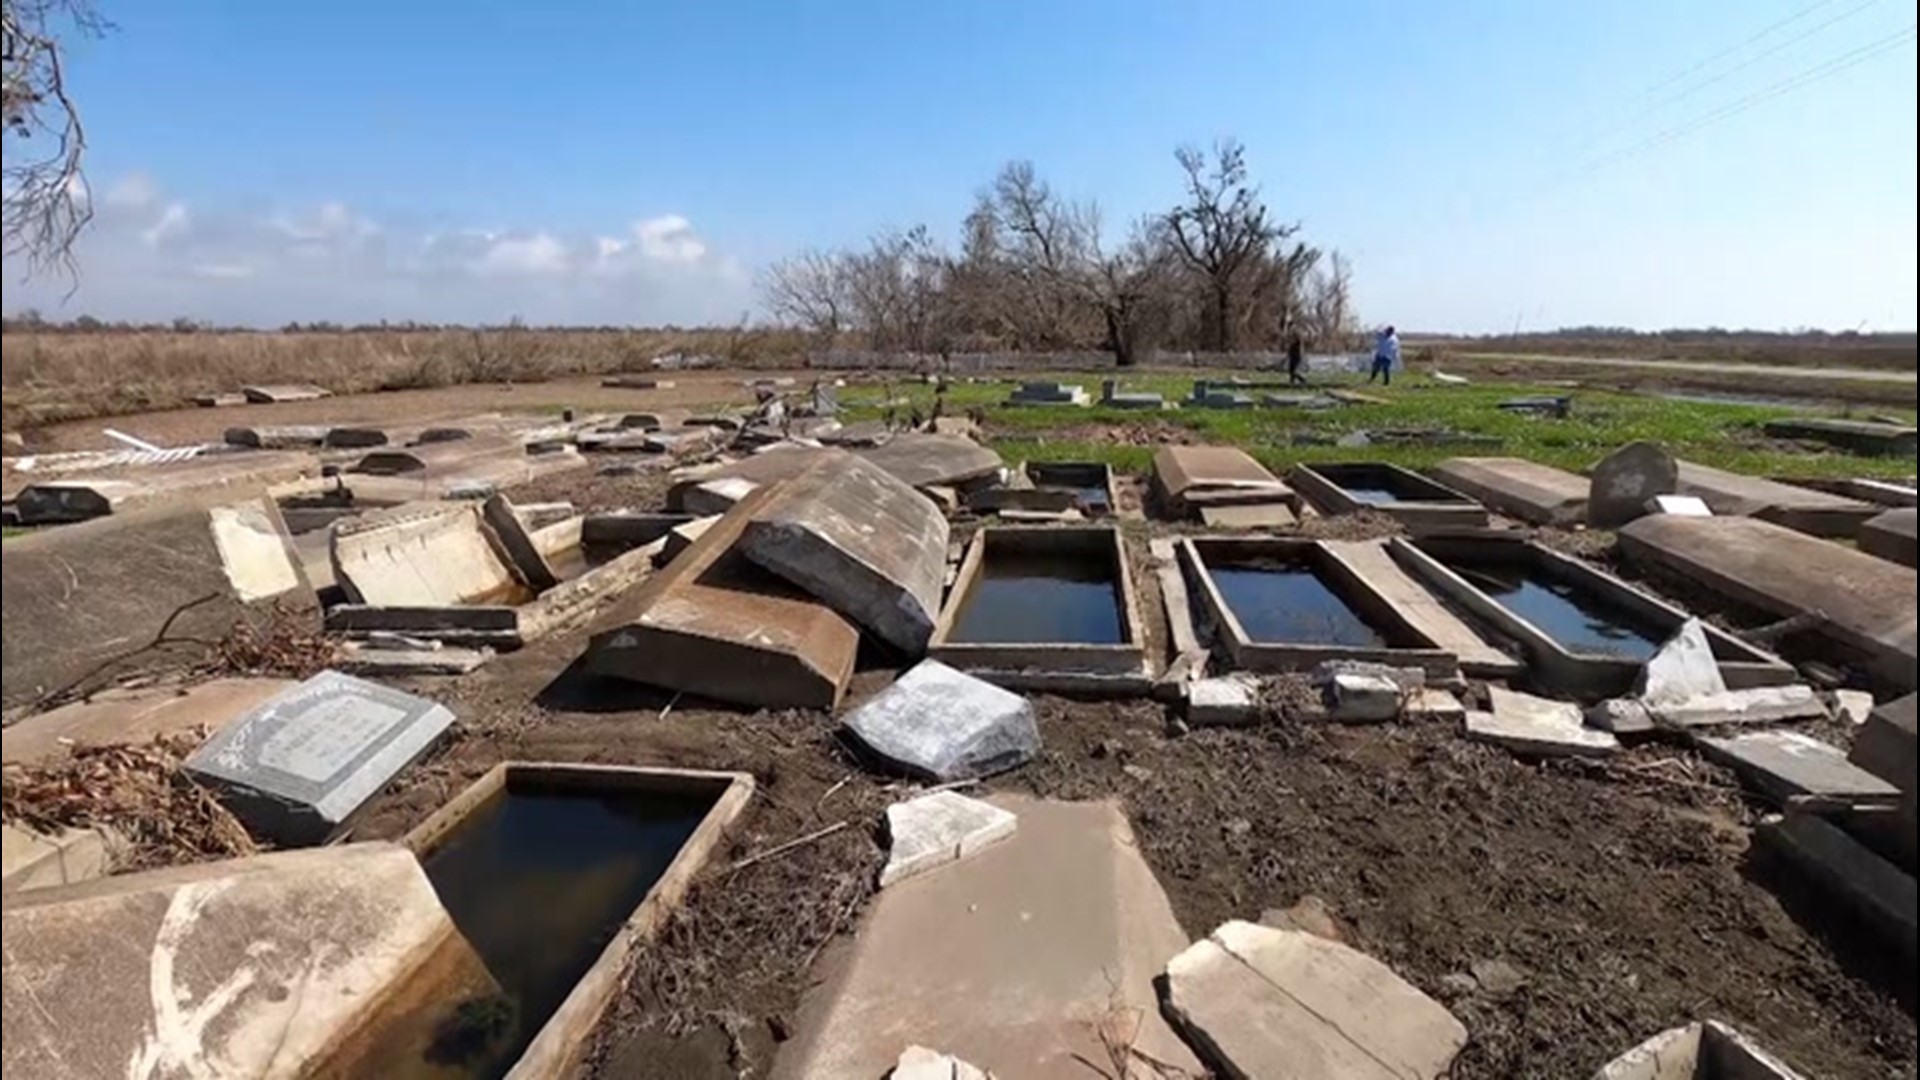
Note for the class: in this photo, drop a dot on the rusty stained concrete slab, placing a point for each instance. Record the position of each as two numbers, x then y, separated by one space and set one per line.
714 624
1534 493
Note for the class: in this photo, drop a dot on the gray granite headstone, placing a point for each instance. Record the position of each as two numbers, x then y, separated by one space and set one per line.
940 724
296 768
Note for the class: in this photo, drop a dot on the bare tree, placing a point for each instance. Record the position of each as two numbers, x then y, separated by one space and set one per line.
46 202
810 289
1223 233
1327 303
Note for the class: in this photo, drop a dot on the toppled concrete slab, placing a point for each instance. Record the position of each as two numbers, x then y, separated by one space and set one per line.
1187 478
1037 941
760 470
1222 701
861 540
1785 765
384 661
421 555
130 717
945 725
1882 492
275 967
1627 480
683 536
1710 1050
1814 512
935 460
1534 493
276 436
1683 669
713 623
1857 436
1865 604
1755 705
1866 885
934 830
70 497
1431 703
93 599
270 393
1538 727
525 557
225 400
1891 536
298 767
1289 1005
1371 561
628 528
37 860
1885 745
452 455
712 497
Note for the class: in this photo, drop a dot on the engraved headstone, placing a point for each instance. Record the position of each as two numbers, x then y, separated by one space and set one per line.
296 769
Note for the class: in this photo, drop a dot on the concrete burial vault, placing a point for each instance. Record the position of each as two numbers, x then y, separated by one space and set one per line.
1281 605
860 539
716 624
1406 496
1814 512
1864 605
1534 493
555 873
80 598
81 497
1188 480
1045 609
1584 632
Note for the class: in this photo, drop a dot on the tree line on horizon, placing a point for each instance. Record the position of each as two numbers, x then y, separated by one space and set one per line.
1038 271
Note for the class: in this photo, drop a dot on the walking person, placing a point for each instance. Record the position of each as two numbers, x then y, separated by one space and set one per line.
1386 356
1296 360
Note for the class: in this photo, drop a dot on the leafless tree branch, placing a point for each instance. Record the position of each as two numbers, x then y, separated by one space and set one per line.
47 204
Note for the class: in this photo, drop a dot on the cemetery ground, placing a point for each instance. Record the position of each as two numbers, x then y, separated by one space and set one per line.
1563 910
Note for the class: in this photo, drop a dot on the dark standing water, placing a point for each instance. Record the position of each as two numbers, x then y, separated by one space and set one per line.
1378 487
1291 605
539 882
1091 497
1373 496
1580 621
1022 598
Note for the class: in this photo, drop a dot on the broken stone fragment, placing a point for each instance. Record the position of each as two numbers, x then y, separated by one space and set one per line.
1362 699
1226 700
938 723
1538 727
934 830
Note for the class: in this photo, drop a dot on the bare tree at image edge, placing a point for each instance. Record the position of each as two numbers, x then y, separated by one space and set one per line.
1224 234
46 200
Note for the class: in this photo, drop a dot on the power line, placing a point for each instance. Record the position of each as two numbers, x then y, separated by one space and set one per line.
1819 72
1736 47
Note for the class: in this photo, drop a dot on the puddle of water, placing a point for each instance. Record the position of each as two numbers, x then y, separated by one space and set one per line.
539 882
1091 498
1373 496
1291 605
1576 618
1033 599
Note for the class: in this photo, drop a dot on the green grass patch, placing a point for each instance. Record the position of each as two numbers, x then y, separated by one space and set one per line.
1721 434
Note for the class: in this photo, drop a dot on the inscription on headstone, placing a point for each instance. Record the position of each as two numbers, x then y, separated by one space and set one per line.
297 768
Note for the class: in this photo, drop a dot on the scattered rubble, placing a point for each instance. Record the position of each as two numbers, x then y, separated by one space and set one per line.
1536 727
937 829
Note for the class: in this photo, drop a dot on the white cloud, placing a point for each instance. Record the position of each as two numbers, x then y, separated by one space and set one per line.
152 255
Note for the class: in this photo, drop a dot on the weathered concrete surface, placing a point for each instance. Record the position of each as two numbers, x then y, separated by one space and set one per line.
941 724
773 466
1883 492
266 394
1891 536
1709 1051
1866 604
451 456
383 661
629 528
1186 478
1684 668
920 1063
278 436
1362 699
1257 516
1809 511
1884 747
1865 885
474 477
1225 700
91 598
935 460
128 717
1627 480
1011 960
1539 727
711 497
421 555
714 624
1534 493
1622 716
861 540
264 967
68 497
1785 765
1290 1005
1429 616
298 767
934 830
525 558
36 860
1430 703
1755 705
1859 436
685 535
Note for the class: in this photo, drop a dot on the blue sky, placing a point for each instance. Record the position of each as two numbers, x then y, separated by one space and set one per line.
1485 164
